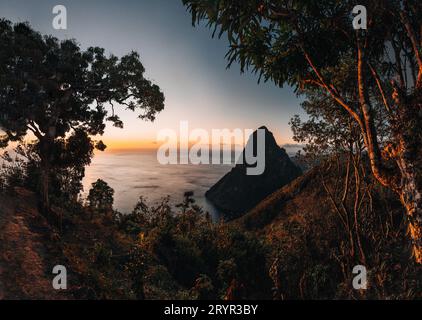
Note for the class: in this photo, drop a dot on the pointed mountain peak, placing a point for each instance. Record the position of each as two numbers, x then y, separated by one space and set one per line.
237 192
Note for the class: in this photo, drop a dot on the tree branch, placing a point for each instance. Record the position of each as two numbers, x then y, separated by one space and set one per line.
415 45
369 130
380 88
33 127
331 89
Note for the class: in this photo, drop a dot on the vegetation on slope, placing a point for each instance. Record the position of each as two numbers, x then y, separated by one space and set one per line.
293 245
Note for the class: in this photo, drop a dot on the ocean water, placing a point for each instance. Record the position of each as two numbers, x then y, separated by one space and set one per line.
138 173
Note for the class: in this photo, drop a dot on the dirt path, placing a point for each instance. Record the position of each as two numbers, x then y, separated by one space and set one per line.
2 292
27 256
6 208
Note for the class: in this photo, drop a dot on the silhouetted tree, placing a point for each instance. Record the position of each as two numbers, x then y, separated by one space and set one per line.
188 201
101 196
311 44
63 95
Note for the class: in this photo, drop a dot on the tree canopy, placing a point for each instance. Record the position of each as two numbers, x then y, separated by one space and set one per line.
64 95
374 75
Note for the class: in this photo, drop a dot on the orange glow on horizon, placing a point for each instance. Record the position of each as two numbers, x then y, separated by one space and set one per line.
113 145
116 145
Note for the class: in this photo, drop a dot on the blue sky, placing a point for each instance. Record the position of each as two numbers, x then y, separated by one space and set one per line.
185 62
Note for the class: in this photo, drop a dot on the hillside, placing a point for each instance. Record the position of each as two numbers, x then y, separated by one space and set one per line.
30 248
314 252
27 255
292 245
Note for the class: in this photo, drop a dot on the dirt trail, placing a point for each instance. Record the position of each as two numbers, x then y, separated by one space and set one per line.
27 255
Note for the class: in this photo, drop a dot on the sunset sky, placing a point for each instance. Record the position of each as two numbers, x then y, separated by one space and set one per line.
185 62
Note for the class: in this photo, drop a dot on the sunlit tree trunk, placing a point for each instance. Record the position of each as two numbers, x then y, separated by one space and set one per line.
404 151
408 156
411 198
405 180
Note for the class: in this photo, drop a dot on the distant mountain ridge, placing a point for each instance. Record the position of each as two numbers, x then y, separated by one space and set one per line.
236 193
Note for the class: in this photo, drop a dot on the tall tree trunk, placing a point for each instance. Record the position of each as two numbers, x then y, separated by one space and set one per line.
404 180
410 164
405 151
45 185
46 145
408 155
411 198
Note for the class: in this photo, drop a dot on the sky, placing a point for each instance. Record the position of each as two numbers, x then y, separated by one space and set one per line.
186 62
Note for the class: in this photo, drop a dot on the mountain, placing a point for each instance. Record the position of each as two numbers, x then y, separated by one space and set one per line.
237 192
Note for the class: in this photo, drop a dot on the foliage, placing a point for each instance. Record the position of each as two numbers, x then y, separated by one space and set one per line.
63 96
367 81
193 250
298 251
101 196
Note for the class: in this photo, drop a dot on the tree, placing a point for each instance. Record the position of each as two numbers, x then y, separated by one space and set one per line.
101 196
63 95
306 43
